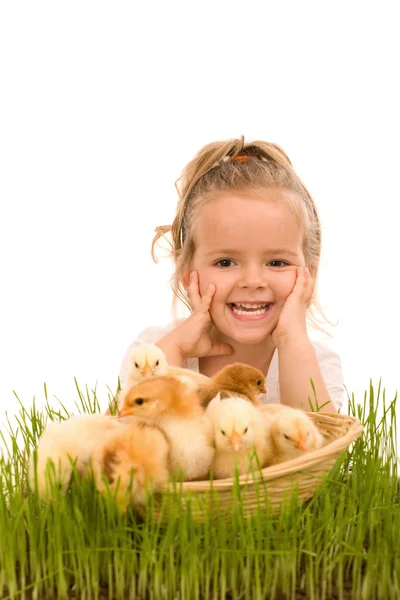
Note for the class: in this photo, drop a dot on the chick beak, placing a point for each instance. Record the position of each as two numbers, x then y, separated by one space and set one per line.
122 413
147 371
301 444
235 441
263 389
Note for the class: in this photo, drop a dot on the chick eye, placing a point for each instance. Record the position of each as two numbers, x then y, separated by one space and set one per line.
136 365
259 382
223 432
157 363
286 436
139 401
245 431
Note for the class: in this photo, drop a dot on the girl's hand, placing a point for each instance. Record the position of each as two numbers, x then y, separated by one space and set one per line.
193 336
292 320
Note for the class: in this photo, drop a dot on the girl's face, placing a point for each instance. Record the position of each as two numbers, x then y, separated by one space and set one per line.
249 247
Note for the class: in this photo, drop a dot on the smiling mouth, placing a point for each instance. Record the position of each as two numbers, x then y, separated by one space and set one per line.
249 308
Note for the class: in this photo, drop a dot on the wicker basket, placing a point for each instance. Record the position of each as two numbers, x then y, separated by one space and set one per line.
305 473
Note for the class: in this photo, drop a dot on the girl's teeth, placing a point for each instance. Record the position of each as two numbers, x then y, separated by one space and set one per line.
254 306
254 311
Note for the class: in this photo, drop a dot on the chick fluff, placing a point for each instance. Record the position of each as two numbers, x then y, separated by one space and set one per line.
239 430
292 432
176 410
63 444
148 360
237 379
131 462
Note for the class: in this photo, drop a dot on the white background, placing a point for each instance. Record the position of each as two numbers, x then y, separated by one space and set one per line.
102 104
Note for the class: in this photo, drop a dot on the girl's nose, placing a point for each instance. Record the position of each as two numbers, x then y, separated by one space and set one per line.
253 277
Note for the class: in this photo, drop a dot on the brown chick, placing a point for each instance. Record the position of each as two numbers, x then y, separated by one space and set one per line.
132 462
148 360
177 411
237 379
293 434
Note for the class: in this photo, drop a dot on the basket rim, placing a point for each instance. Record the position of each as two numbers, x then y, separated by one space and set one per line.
315 457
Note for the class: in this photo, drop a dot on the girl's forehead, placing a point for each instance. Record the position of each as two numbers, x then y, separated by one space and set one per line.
231 220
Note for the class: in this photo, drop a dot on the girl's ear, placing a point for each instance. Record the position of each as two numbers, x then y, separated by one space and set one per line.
185 279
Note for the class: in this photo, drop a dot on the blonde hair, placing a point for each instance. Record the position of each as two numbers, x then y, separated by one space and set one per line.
234 166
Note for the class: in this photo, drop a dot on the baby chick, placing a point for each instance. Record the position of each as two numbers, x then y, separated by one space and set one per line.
64 443
293 433
239 379
148 360
169 404
272 409
139 450
239 431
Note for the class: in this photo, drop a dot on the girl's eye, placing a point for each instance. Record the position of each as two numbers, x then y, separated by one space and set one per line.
282 263
225 263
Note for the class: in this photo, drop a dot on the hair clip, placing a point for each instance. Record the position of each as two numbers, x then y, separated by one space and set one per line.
241 158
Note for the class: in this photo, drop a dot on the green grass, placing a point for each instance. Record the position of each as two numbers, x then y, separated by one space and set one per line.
343 543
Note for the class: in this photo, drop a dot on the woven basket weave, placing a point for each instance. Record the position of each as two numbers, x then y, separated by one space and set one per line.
305 474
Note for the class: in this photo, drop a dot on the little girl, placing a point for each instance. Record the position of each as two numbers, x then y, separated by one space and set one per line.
246 243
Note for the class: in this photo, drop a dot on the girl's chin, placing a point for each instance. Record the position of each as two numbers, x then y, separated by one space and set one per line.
240 335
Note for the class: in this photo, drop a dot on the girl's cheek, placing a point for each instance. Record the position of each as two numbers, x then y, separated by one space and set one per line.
287 283
206 277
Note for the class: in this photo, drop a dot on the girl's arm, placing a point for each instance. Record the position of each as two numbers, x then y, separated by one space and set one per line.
171 350
298 364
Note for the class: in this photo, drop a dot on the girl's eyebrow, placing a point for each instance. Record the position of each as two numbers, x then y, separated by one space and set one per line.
282 251
227 251
222 251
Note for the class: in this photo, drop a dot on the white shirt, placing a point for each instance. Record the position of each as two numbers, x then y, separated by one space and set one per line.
328 360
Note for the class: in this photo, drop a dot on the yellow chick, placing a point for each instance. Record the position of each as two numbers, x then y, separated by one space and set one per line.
293 433
62 442
239 430
176 410
273 408
133 460
148 360
237 379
